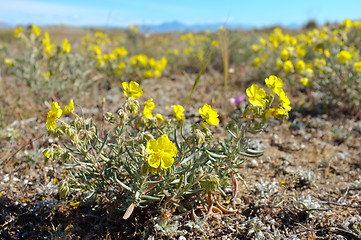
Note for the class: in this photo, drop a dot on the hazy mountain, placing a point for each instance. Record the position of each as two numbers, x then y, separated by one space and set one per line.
176 26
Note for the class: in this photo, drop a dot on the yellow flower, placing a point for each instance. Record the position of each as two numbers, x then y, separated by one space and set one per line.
176 52
209 114
327 53
285 54
159 118
215 43
256 48
140 59
256 62
17 31
357 66
152 62
120 51
288 66
36 30
97 50
274 83
347 23
53 114
162 152
300 65
9 62
161 64
110 56
344 56
284 101
305 81
47 50
66 46
132 89
69 109
47 44
157 73
46 154
256 96
100 61
47 75
148 74
278 113
301 51
178 112
320 62
279 63
121 65
149 106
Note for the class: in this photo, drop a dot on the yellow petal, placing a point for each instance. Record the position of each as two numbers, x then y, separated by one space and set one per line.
152 146
166 161
153 161
50 123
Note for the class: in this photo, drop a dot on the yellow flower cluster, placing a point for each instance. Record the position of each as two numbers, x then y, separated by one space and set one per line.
178 112
36 30
18 31
307 52
56 113
48 46
162 151
260 99
116 61
9 62
66 46
196 45
151 67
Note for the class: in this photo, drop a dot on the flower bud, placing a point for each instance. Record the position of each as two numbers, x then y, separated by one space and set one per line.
200 136
64 190
109 117
132 105
206 131
123 116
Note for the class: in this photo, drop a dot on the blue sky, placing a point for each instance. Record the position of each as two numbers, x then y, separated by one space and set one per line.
121 13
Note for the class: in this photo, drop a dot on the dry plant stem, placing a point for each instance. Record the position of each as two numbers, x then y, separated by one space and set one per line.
224 209
235 186
357 114
225 60
203 67
210 203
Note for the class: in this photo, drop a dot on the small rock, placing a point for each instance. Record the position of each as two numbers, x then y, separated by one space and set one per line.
6 178
289 170
253 163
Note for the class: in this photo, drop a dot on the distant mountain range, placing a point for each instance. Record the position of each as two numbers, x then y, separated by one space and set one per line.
177 26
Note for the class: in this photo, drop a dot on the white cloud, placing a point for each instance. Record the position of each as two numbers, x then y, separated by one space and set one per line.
26 12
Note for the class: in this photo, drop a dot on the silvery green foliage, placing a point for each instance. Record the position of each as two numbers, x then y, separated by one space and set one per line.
109 166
